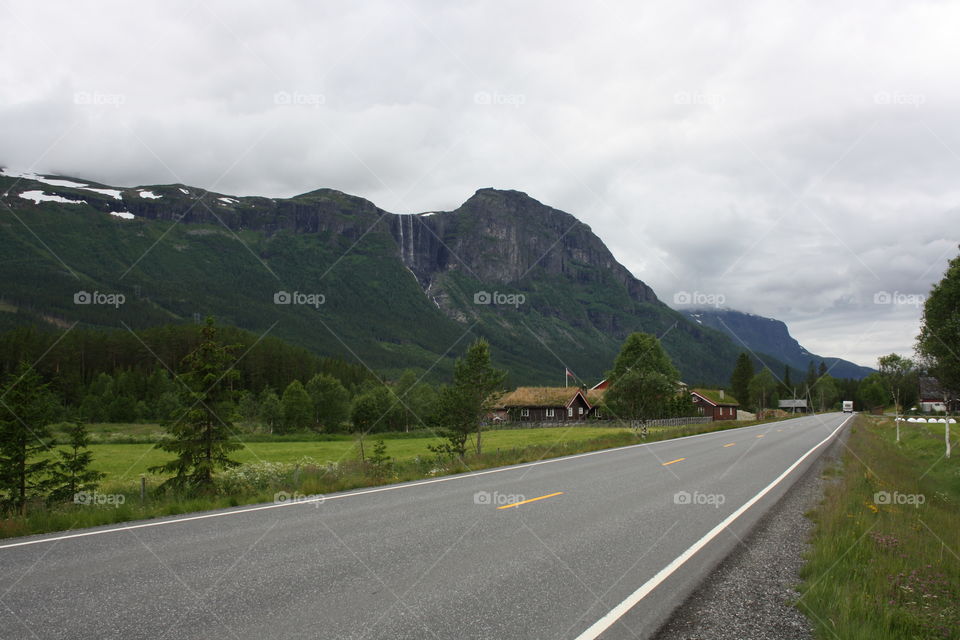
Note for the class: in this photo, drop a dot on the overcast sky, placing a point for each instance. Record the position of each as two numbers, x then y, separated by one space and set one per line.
792 161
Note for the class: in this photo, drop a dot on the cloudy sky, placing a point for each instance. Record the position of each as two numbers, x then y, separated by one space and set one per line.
799 162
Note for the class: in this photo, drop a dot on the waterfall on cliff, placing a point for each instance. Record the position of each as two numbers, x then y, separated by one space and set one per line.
407 238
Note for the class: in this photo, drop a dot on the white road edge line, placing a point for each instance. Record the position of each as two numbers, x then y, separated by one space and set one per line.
607 621
340 496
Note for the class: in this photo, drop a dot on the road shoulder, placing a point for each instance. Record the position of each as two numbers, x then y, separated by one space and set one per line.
750 595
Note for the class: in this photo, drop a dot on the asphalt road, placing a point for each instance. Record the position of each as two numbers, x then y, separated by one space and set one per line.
610 553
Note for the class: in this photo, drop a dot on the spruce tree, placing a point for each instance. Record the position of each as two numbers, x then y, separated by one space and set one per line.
201 437
72 473
740 380
26 405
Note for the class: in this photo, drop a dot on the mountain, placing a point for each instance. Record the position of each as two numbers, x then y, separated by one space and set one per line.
338 275
772 337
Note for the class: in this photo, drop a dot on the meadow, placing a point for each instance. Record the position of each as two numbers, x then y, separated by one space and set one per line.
885 556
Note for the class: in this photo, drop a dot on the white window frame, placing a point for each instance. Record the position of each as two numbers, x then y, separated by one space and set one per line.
549 413
569 412
524 413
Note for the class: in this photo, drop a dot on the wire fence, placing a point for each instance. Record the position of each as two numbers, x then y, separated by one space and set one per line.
634 424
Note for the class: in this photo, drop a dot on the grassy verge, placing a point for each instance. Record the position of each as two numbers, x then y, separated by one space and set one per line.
885 559
314 467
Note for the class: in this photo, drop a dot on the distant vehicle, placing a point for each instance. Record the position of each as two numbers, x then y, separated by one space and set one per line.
848 406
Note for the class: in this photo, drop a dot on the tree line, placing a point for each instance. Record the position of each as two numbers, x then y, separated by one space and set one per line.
895 382
130 364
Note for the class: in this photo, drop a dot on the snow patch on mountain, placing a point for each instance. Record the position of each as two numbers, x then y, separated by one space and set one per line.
115 193
40 196
53 182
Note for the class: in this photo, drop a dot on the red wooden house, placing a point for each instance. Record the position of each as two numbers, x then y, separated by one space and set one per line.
715 403
545 404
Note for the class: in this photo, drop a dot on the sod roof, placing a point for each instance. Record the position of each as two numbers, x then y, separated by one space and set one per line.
713 395
539 397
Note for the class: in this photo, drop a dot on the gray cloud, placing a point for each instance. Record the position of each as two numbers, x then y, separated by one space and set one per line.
796 165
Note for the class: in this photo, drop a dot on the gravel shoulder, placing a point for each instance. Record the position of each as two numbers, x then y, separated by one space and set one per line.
751 594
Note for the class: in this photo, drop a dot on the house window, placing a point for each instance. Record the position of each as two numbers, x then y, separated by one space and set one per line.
581 410
524 413
549 413
569 412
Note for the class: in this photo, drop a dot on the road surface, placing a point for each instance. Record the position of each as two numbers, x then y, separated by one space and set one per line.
599 545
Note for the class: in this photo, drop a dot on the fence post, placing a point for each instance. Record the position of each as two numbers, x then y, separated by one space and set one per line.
143 488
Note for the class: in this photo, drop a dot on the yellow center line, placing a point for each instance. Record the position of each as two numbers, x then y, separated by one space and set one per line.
672 461
729 445
517 504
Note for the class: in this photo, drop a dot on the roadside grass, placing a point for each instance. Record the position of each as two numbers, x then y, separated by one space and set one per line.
885 556
273 471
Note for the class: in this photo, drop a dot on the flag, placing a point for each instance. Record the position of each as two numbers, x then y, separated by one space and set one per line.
567 375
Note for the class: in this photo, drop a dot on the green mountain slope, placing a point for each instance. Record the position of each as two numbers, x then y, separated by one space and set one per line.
771 336
397 291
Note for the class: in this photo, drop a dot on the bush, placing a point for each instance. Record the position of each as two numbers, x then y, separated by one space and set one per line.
252 477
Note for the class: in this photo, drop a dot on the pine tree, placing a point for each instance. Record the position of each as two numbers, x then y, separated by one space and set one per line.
72 473
379 460
26 405
201 438
740 380
811 378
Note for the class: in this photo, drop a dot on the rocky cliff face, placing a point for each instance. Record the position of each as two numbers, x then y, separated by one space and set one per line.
505 237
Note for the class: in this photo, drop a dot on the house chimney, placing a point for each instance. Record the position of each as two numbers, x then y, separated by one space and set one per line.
721 394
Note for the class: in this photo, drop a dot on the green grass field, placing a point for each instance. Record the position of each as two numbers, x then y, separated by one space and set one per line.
885 560
127 461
